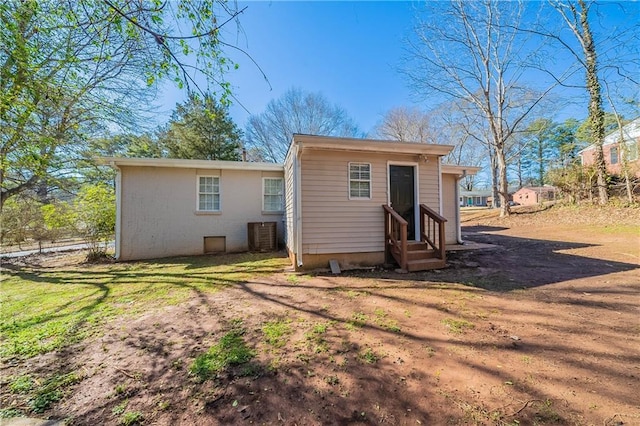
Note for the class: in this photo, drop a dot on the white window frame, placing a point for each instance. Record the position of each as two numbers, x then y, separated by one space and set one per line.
612 150
264 194
632 151
198 193
359 163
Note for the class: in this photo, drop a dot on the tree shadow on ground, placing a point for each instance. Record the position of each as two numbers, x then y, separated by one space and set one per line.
513 263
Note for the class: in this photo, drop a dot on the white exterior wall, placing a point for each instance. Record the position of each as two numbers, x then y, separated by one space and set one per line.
332 223
158 216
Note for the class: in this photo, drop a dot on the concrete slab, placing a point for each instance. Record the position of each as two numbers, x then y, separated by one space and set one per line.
470 245
30 421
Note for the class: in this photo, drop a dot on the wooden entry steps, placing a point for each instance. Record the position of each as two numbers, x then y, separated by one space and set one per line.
411 256
421 258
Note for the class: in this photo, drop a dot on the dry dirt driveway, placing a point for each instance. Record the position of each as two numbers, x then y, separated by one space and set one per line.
542 329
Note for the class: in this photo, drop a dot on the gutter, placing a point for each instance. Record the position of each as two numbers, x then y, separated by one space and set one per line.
459 231
118 208
298 205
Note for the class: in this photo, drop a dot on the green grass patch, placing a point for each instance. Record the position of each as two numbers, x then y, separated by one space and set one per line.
120 408
357 320
131 418
51 391
368 356
315 337
22 384
615 229
7 413
457 326
230 350
47 309
383 321
277 333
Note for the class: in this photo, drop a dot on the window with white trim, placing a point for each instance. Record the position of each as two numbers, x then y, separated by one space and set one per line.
632 151
614 155
272 194
359 180
208 193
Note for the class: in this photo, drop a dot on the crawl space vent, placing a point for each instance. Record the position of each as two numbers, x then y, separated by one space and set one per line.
263 236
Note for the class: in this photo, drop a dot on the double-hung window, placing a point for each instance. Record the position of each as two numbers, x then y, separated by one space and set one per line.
208 193
359 181
614 155
272 195
632 151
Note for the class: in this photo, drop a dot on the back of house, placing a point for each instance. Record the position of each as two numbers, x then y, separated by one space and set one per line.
169 207
335 190
325 203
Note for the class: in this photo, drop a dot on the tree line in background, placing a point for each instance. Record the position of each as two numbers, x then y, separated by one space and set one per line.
74 77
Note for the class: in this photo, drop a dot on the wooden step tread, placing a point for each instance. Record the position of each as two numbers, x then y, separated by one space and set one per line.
425 264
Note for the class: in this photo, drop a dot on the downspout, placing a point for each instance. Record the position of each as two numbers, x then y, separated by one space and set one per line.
118 208
458 225
440 185
298 204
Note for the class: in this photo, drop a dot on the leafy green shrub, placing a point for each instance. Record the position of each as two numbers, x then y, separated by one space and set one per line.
95 217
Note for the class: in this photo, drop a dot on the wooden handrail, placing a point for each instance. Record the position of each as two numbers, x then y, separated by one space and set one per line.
434 214
429 220
395 235
395 214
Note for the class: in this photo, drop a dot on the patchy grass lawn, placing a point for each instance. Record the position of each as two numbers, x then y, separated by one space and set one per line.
542 330
48 309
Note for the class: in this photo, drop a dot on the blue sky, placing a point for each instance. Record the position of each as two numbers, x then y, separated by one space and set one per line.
348 51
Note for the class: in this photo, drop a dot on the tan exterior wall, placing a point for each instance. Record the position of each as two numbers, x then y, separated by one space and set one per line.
332 223
158 216
289 189
449 207
345 260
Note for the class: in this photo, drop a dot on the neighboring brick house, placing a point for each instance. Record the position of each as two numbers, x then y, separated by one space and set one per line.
613 152
532 195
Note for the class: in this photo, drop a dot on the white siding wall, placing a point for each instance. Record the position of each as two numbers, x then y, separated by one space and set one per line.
334 224
159 218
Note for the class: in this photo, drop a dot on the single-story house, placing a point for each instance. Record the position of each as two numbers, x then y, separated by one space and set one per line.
172 207
532 195
358 201
476 198
613 150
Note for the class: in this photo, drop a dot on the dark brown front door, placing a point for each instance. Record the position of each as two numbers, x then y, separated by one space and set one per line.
402 195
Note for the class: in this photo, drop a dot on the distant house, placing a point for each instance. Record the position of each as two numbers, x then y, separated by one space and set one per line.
613 150
474 198
532 195
357 201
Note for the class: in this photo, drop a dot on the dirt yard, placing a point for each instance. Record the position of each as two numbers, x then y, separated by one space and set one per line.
542 329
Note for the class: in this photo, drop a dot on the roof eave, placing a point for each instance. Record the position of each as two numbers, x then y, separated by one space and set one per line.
369 145
187 164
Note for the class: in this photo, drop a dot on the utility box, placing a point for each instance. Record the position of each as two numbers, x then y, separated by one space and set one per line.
263 236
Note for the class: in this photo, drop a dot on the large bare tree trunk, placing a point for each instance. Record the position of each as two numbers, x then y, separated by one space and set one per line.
596 112
503 184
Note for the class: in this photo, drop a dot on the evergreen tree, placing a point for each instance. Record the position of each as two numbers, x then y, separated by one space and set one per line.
202 129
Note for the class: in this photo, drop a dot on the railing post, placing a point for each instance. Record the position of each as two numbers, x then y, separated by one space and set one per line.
422 216
403 245
387 232
441 242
